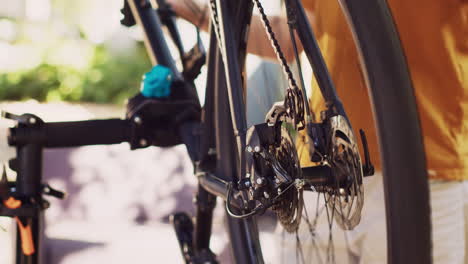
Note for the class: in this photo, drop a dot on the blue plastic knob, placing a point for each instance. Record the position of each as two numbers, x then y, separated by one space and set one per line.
157 82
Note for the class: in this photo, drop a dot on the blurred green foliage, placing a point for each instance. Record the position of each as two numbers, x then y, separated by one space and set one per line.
109 78
53 50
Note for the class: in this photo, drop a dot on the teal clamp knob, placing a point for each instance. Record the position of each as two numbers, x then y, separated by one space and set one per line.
157 82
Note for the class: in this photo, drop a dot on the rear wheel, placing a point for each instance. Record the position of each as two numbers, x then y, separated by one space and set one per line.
404 172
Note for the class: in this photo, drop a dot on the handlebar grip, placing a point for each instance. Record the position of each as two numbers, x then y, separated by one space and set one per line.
91 132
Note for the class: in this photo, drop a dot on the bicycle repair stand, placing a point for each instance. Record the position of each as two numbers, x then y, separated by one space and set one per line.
149 122
166 114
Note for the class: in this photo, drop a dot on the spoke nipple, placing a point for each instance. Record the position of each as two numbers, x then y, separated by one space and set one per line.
277 180
266 195
249 148
279 191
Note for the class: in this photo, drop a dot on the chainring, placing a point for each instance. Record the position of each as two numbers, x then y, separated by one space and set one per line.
288 207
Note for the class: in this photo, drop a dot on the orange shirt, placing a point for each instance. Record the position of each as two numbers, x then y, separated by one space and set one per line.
434 35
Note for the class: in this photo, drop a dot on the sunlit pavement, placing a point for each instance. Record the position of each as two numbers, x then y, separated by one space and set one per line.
78 242
72 243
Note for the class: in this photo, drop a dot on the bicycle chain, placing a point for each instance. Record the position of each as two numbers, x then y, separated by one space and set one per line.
294 98
216 22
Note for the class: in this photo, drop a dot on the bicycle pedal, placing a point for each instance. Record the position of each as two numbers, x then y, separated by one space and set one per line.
184 231
184 228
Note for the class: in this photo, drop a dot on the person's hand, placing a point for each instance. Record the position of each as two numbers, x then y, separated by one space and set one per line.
194 11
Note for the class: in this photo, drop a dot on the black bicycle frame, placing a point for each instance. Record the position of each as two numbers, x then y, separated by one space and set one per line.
220 148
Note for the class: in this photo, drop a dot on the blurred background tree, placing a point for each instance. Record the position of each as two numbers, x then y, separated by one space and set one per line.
77 51
68 50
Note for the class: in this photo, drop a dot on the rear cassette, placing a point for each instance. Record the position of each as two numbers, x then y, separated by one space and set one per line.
289 206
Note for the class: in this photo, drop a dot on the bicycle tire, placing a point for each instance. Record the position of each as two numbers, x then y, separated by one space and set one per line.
399 133
400 136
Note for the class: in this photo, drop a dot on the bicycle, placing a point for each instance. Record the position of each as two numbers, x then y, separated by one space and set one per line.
253 169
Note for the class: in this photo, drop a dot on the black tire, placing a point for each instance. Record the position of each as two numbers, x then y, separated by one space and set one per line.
399 133
400 137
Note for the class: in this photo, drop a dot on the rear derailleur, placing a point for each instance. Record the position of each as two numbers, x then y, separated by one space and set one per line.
275 179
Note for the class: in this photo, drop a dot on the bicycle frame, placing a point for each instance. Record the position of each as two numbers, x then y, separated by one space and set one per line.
32 135
223 96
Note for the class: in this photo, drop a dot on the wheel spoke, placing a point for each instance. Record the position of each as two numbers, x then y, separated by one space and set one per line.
299 251
283 237
330 218
314 236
